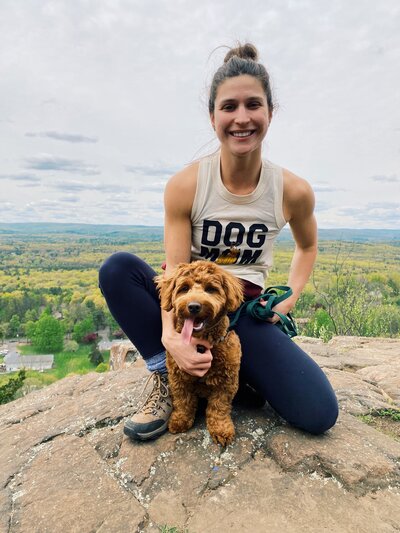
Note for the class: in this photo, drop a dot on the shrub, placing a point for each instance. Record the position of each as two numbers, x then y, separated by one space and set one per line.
71 346
83 328
102 367
320 325
95 356
91 337
8 390
383 321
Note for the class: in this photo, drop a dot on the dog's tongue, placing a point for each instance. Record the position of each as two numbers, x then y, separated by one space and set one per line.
187 330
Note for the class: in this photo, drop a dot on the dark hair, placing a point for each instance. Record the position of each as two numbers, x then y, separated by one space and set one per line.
241 60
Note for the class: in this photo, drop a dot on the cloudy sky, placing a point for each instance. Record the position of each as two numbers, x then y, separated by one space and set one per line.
102 100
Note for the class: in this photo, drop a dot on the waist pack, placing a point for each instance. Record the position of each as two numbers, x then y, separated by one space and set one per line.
261 309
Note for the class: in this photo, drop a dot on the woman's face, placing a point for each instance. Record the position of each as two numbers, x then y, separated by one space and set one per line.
241 115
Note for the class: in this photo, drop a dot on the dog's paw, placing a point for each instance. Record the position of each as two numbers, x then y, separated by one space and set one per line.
178 424
224 438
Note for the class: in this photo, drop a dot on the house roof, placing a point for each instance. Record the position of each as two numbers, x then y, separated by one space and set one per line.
29 361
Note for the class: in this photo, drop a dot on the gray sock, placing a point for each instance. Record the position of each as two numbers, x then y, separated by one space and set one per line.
157 362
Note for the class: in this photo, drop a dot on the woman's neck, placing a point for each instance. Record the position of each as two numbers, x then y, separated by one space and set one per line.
240 175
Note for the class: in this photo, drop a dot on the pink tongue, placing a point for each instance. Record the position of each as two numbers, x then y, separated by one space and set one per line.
187 330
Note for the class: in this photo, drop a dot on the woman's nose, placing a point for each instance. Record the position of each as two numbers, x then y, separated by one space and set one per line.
242 116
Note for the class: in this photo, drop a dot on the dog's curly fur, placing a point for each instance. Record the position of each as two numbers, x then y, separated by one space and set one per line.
215 293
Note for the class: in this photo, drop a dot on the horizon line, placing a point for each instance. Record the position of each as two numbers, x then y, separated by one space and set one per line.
162 226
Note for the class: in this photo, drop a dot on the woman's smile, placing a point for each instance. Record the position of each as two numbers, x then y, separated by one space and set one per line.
242 134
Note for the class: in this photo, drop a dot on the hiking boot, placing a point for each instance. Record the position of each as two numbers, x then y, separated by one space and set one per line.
151 419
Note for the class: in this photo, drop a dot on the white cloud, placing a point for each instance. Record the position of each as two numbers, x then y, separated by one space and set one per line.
78 186
118 87
52 162
58 136
27 178
388 179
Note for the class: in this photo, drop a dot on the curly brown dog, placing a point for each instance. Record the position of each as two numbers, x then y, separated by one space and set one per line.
201 294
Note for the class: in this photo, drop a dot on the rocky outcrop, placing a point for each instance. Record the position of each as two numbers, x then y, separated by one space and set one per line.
65 464
122 355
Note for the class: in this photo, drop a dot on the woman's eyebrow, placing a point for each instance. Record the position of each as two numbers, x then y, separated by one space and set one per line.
233 100
228 101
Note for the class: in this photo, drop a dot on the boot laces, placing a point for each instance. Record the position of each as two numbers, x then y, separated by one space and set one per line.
158 396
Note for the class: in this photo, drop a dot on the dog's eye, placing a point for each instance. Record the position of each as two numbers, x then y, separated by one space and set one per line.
211 289
183 288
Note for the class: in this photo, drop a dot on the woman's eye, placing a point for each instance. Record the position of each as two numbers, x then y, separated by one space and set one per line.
228 107
254 105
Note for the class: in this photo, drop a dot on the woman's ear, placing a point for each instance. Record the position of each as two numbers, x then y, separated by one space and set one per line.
212 119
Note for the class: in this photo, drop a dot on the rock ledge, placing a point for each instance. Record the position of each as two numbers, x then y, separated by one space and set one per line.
65 464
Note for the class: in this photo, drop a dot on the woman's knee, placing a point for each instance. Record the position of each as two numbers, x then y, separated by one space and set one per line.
116 268
322 418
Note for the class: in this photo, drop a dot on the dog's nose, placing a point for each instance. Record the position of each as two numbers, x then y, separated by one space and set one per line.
194 308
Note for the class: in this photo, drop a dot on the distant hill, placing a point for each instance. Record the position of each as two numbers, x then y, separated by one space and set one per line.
107 231
155 233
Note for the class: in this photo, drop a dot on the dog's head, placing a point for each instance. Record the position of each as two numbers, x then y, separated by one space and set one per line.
201 291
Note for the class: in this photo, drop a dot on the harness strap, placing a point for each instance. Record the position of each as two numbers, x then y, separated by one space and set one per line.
261 309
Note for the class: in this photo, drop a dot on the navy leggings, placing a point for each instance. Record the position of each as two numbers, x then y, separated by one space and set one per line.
291 382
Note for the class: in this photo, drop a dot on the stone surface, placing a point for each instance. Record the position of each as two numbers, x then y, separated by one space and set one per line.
122 355
65 464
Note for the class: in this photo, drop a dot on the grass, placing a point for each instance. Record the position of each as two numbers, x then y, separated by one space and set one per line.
392 414
384 420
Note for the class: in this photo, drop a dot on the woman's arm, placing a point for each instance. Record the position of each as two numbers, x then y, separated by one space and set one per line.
298 207
178 201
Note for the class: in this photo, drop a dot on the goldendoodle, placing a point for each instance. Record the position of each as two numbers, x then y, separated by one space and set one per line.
201 294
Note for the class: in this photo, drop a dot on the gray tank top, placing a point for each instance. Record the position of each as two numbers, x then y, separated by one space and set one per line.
237 231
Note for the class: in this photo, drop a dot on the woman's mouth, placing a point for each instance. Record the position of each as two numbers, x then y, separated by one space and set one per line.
241 134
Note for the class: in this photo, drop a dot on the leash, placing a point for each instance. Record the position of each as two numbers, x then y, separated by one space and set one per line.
263 310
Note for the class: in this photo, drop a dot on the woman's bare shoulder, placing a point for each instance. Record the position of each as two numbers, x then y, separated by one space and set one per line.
185 178
297 194
181 187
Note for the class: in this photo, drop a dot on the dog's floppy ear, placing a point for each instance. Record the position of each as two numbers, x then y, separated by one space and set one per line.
233 290
165 287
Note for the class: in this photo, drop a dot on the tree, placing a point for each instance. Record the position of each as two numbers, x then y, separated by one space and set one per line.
2 332
83 328
95 356
346 302
49 334
31 315
8 390
14 326
30 328
111 322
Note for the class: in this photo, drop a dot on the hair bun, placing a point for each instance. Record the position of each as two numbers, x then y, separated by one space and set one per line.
245 51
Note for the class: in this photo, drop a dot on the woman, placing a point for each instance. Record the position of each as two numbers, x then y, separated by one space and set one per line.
228 207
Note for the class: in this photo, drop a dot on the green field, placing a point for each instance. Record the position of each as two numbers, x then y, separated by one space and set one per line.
354 290
65 363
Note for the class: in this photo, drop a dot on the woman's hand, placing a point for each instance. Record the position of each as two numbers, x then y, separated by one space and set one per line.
283 308
186 356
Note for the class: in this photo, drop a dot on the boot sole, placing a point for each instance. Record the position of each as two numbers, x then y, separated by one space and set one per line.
134 434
